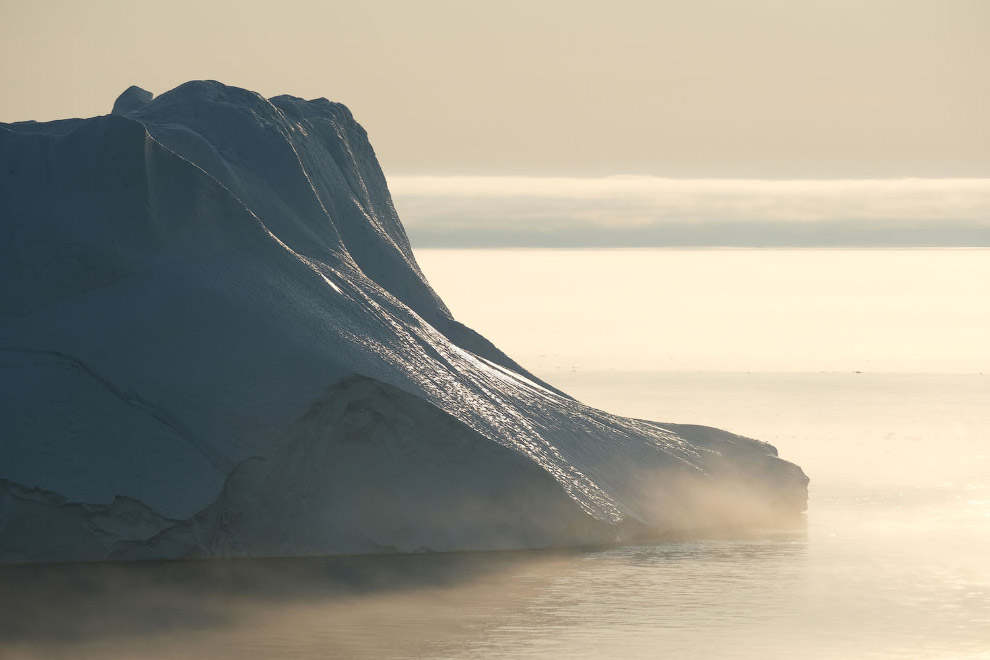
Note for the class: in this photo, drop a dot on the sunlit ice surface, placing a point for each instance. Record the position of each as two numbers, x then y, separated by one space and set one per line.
889 562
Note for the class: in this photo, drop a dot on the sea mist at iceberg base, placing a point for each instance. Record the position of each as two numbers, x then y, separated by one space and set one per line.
215 342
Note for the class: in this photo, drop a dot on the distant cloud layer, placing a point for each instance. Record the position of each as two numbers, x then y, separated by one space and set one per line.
650 211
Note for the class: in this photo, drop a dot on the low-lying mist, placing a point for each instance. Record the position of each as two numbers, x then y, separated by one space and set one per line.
368 606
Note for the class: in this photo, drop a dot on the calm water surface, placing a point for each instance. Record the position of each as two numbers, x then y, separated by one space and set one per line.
891 561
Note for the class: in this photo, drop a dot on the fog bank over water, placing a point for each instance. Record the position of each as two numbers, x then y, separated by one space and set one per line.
645 211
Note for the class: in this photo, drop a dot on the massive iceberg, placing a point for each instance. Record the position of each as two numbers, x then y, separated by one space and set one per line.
215 342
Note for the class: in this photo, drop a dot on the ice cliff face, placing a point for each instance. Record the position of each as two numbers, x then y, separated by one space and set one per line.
215 341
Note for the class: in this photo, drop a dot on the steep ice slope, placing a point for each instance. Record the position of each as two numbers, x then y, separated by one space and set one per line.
215 341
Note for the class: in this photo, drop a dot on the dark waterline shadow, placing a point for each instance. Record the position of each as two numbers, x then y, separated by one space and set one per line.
67 603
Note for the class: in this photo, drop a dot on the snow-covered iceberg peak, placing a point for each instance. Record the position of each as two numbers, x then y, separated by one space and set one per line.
215 341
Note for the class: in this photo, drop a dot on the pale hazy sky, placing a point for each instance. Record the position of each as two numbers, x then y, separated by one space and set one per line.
693 88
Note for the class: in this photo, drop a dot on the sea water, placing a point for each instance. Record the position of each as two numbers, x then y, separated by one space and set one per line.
869 368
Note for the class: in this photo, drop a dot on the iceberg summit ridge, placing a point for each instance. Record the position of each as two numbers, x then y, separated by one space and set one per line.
215 341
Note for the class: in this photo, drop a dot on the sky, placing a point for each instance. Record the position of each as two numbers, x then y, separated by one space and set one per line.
695 89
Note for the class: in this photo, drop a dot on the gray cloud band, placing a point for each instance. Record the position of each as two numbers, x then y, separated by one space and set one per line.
479 211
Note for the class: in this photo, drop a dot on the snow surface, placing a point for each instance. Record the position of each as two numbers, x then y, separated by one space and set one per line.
215 341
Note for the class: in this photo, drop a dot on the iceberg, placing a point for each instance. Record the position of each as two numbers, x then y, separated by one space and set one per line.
215 341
